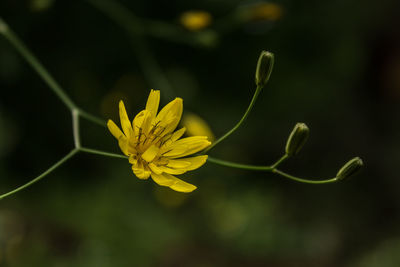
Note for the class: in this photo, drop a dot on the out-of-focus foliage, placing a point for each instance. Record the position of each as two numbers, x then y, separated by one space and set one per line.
337 69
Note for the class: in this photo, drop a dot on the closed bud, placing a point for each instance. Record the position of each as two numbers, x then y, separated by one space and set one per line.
264 68
297 138
350 168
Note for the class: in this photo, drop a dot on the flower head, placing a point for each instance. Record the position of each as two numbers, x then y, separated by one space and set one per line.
154 147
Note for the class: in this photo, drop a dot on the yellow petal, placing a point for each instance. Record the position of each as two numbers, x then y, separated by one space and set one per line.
197 147
178 164
150 153
169 123
141 125
196 162
185 147
123 145
182 186
152 102
172 170
170 144
189 140
172 113
176 151
113 128
154 168
141 171
162 130
163 179
178 134
162 161
138 120
125 123
133 160
173 182
194 148
168 139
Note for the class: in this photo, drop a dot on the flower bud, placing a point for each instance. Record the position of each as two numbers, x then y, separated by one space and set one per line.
264 68
350 168
297 138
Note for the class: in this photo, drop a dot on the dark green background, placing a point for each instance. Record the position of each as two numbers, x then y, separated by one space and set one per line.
337 69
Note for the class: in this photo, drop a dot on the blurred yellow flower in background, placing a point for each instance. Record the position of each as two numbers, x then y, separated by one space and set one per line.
195 20
154 147
195 125
264 11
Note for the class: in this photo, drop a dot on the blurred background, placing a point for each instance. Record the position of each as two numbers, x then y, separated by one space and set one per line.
337 68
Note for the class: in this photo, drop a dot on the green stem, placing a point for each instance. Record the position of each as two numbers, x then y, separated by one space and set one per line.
301 180
269 169
282 159
239 165
48 171
91 117
36 65
246 114
102 153
75 128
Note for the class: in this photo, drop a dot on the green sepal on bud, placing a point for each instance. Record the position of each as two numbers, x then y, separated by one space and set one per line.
264 68
352 167
297 139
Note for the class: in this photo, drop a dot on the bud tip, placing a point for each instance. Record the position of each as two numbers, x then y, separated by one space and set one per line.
349 169
297 139
265 64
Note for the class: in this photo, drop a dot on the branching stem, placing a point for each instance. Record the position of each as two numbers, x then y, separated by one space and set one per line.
91 117
45 173
56 88
154 73
102 153
75 128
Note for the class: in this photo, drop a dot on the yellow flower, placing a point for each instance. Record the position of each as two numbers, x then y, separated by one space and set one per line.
265 11
154 147
195 20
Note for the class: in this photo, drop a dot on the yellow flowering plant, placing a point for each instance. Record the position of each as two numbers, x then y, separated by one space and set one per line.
151 143
154 147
